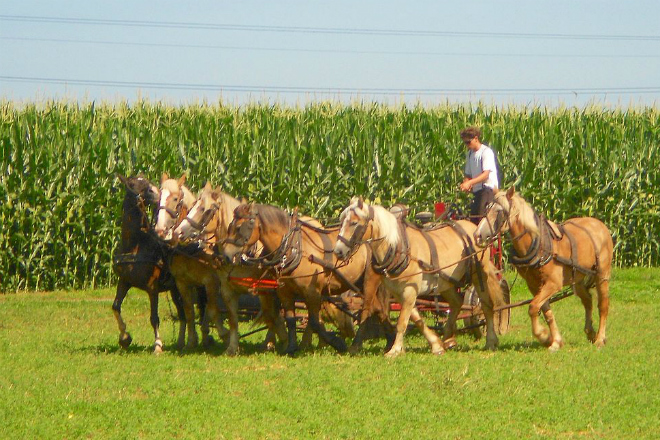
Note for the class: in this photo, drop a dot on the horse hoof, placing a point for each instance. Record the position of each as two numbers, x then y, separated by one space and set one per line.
269 347
125 341
158 349
449 344
354 349
555 346
394 353
231 352
208 342
340 346
600 343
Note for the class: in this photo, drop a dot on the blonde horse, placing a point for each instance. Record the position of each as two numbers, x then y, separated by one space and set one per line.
207 224
416 262
191 278
301 256
577 253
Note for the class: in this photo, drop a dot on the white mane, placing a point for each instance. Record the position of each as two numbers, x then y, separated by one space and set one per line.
385 224
519 210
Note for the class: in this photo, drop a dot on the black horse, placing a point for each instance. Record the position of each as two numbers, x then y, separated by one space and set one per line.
141 259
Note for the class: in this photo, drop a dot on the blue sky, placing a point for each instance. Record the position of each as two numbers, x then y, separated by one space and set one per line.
540 52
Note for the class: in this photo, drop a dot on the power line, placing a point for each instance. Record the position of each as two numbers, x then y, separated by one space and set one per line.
337 51
322 30
333 90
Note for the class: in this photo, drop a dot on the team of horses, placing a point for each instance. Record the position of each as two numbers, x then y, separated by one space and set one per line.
203 248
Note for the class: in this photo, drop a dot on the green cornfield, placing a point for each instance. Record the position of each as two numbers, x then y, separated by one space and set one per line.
60 202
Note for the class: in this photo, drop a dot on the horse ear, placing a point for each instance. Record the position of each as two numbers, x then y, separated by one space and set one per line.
123 179
360 203
510 192
215 194
163 178
208 186
182 179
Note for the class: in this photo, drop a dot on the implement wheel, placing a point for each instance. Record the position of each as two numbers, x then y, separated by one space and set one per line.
501 318
471 298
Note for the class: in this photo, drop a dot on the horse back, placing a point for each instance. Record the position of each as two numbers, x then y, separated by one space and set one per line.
593 242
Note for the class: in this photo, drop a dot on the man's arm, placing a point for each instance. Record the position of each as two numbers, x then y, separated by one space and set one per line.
469 183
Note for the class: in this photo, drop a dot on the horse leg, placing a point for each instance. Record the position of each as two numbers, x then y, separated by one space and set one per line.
491 296
125 338
213 292
313 301
288 304
603 290
178 303
155 321
407 300
230 298
551 339
273 320
585 296
449 330
431 336
187 295
202 302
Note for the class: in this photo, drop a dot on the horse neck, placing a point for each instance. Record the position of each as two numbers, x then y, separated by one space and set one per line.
271 235
522 238
385 232
188 198
225 214
132 221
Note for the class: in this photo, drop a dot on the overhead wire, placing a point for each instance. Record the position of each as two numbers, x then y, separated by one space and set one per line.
323 30
331 90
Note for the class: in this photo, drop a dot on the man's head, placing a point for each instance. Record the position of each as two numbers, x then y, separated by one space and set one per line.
471 137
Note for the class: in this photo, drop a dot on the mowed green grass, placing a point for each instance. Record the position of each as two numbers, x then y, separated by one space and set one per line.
62 375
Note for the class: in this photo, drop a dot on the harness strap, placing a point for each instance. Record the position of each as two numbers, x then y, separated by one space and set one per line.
572 261
469 248
396 259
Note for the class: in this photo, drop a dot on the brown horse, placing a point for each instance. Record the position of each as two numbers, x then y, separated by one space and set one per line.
301 257
207 224
140 260
577 253
416 262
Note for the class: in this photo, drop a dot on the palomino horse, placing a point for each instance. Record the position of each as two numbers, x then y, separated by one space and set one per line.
207 223
175 201
140 260
300 253
548 256
416 262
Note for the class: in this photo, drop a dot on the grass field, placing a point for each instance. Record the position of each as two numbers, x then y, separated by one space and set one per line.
62 375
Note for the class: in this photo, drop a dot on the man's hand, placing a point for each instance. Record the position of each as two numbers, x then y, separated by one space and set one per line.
466 186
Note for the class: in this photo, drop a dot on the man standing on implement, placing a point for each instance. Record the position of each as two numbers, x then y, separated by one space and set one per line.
480 173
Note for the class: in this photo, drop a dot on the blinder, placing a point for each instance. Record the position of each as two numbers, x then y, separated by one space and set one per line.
244 231
358 233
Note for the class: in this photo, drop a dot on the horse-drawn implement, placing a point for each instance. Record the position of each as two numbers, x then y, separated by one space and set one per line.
375 264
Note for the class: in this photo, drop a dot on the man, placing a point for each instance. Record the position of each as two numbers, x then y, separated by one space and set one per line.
480 173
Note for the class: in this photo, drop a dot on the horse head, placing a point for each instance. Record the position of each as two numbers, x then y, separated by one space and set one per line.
243 231
201 221
355 220
507 211
175 200
140 188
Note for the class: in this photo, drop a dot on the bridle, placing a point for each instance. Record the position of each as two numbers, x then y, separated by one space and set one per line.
358 234
244 232
499 224
200 227
141 206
